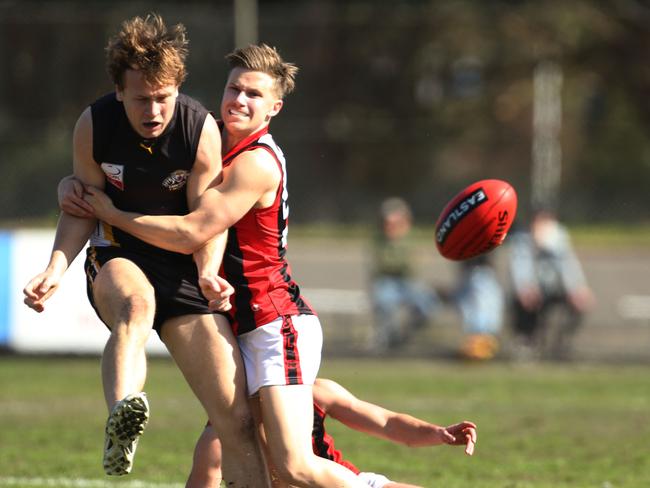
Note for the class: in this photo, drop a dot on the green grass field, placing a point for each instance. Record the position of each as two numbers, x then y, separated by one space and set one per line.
540 425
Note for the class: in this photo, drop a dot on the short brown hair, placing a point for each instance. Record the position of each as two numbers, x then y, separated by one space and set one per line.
147 45
264 58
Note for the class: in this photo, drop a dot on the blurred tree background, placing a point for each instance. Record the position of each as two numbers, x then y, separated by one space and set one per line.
415 98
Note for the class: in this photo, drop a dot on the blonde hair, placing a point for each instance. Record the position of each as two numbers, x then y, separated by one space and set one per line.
147 45
267 59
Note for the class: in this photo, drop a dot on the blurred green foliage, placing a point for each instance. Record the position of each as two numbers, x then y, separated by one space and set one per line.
410 98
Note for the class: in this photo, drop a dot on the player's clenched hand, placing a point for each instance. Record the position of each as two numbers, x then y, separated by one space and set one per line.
70 194
218 292
39 289
102 205
462 434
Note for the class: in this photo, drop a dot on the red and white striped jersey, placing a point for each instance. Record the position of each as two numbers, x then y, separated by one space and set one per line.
254 261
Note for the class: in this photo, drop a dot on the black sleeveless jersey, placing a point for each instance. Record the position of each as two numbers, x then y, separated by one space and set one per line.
147 176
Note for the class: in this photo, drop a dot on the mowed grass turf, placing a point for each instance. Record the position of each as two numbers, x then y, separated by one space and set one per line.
540 425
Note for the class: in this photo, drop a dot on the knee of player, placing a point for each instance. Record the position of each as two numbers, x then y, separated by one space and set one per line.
134 316
245 426
136 307
235 428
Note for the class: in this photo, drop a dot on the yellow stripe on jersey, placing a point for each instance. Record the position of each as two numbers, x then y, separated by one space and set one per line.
94 267
107 231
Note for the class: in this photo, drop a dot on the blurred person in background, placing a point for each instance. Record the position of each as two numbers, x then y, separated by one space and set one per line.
400 303
479 297
549 285
153 150
331 399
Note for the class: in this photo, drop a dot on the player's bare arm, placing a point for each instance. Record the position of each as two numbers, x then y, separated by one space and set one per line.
70 194
249 182
72 232
380 422
357 414
206 172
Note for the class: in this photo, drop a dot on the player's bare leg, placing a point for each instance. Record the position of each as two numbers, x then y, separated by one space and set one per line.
206 463
207 354
126 302
254 403
287 416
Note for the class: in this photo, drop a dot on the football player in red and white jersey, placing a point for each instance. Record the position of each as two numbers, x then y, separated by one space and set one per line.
279 335
331 399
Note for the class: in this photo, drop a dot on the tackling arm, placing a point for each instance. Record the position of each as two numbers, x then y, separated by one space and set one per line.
206 172
252 175
386 424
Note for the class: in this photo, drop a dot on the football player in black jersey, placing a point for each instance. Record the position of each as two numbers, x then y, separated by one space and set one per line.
155 151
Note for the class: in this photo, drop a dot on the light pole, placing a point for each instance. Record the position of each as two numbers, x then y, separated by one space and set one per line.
245 22
547 124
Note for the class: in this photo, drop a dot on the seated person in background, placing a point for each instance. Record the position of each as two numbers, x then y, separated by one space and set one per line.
332 399
394 290
546 276
480 300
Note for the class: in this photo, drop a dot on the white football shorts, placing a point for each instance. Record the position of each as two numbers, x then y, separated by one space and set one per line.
374 480
286 351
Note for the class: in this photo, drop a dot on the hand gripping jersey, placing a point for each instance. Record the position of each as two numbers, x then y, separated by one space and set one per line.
147 176
323 443
254 261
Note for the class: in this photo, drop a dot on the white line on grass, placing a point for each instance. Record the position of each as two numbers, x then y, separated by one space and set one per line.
81 483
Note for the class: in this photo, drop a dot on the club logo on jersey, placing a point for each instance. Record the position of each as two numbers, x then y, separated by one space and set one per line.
114 174
176 180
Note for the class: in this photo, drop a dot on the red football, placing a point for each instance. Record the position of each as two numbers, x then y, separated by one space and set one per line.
476 220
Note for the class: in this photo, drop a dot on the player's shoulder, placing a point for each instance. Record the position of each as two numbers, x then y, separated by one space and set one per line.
268 153
256 164
266 140
84 126
105 106
106 99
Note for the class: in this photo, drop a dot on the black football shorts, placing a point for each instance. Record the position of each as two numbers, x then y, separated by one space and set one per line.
173 277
